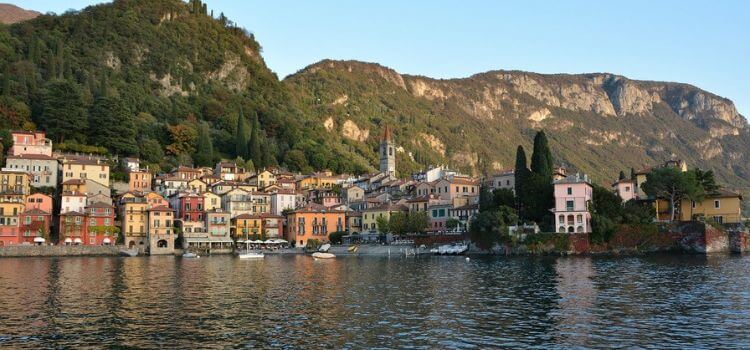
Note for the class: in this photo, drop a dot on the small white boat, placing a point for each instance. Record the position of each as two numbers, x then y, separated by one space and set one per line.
322 255
129 252
189 255
450 249
251 255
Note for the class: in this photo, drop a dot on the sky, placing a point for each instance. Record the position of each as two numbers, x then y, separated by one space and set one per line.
704 43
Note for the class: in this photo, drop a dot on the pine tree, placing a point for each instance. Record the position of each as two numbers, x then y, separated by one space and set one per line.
254 145
204 153
622 175
541 158
240 137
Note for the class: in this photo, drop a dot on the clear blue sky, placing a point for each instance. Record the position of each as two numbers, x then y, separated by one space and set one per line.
705 43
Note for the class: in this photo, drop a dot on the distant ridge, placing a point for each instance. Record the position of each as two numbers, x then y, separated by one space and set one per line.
10 14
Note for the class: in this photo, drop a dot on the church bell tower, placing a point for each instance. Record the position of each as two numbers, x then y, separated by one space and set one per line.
387 153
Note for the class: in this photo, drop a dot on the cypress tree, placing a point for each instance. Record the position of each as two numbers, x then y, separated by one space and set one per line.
632 173
541 158
520 171
204 153
240 137
254 144
622 175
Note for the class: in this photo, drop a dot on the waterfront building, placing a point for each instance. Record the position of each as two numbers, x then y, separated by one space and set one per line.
11 207
273 225
161 236
34 223
101 227
313 221
353 222
722 207
421 203
438 215
30 142
72 228
326 197
463 214
215 238
42 168
197 185
39 201
572 197
15 183
371 215
134 220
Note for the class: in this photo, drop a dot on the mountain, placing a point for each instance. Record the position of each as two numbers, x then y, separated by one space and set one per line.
597 123
157 78
10 14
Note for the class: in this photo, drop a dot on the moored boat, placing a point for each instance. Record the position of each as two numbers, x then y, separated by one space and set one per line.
322 255
251 255
189 255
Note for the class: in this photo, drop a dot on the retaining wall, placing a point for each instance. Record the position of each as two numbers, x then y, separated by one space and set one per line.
58 250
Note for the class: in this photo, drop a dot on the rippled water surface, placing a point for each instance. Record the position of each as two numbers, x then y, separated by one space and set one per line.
429 302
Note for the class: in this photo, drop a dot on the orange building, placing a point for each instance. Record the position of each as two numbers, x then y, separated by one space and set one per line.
140 181
313 221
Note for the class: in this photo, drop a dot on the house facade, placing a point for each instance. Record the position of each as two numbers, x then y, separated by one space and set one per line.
572 197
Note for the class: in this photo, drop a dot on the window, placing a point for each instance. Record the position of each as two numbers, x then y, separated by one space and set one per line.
717 204
692 204
570 190
569 205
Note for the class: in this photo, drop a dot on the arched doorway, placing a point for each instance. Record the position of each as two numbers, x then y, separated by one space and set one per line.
570 229
162 243
131 245
579 229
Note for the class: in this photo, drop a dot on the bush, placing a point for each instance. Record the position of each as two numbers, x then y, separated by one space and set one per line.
336 237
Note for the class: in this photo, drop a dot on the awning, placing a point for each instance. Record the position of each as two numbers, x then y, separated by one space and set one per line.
106 240
68 240
206 240
39 240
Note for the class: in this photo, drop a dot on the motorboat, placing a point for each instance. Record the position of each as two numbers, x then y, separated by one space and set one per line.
129 252
251 255
190 255
450 249
322 255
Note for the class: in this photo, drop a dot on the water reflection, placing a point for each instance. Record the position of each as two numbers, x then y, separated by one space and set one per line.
431 302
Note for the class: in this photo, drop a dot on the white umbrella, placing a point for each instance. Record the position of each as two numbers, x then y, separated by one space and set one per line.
68 240
106 240
77 241
39 240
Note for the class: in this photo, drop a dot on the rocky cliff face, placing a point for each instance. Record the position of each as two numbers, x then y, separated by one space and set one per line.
600 123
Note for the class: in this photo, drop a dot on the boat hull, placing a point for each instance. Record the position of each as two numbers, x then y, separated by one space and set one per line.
321 255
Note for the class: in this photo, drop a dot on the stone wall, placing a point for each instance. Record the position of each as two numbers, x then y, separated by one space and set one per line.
739 242
58 250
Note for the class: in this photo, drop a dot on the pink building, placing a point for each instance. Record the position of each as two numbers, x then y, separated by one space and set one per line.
34 224
625 189
39 201
448 189
30 142
572 197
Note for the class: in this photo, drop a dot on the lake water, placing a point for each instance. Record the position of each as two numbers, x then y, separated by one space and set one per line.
429 302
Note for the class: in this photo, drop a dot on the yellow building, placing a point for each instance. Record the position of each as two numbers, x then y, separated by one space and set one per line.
263 179
211 201
15 183
370 216
91 169
318 180
246 226
723 207
134 221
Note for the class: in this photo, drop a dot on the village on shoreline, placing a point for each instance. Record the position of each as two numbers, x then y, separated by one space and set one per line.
50 198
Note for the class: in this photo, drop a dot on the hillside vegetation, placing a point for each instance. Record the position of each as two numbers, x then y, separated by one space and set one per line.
167 81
